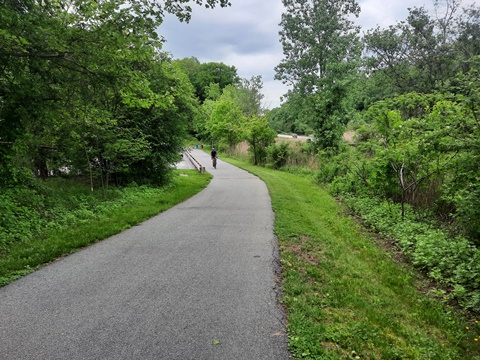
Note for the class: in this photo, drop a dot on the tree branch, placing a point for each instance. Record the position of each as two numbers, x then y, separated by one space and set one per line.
58 55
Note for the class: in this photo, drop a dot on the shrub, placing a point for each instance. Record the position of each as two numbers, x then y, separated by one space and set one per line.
277 155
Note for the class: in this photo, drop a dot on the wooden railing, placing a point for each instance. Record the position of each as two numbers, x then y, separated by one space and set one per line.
194 161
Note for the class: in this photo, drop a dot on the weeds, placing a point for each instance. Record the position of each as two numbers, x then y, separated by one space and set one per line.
58 217
454 263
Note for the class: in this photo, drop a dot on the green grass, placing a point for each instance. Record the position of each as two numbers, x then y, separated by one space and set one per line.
345 296
78 229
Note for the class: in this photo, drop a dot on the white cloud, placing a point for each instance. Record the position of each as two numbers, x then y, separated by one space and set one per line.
384 13
273 90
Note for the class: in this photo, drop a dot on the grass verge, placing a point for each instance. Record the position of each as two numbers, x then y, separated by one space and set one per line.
346 297
135 205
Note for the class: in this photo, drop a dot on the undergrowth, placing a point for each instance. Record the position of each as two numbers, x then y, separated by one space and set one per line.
55 218
453 262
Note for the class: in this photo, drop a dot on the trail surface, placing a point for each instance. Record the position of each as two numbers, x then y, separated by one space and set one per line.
195 282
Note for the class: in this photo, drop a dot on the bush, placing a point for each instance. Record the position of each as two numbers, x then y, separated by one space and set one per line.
277 155
16 218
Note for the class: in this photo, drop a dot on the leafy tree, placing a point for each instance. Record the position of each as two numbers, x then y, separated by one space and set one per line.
289 120
462 189
164 123
74 76
250 96
405 140
468 40
182 9
190 66
422 53
321 47
277 154
277 119
213 72
226 122
259 135
203 75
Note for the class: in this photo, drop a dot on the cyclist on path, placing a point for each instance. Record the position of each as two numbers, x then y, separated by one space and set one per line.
213 154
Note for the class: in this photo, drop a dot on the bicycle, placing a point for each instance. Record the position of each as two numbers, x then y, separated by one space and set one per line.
214 162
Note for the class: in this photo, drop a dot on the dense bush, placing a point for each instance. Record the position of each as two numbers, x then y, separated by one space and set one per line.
277 155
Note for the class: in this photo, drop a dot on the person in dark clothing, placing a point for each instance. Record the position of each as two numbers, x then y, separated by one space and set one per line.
213 154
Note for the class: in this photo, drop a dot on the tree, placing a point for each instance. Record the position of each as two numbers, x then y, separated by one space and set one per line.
213 73
321 49
202 76
226 122
422 53
259 135
290 120
462 188
250 96
468 40
182 9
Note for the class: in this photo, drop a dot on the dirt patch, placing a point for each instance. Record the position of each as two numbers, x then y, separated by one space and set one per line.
304 251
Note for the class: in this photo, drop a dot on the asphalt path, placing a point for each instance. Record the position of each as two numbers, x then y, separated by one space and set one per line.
198 281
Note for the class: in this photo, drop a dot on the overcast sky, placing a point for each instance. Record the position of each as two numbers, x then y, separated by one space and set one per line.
245 35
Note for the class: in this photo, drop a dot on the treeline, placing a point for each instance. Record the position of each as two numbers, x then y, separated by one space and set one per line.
85 89
230 108
410 94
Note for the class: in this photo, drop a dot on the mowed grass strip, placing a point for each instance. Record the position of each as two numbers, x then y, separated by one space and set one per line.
24 256
346 298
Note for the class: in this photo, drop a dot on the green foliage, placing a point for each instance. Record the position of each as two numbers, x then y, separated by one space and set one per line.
259 135
234 115
452 262
26 211
181 8
421 53
461 189
417 154
321 50
287 119
249 96
277 155
226 122
410 146
202 75
88 89
345 296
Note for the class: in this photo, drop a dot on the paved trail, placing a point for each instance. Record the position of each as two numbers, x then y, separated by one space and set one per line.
196 282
